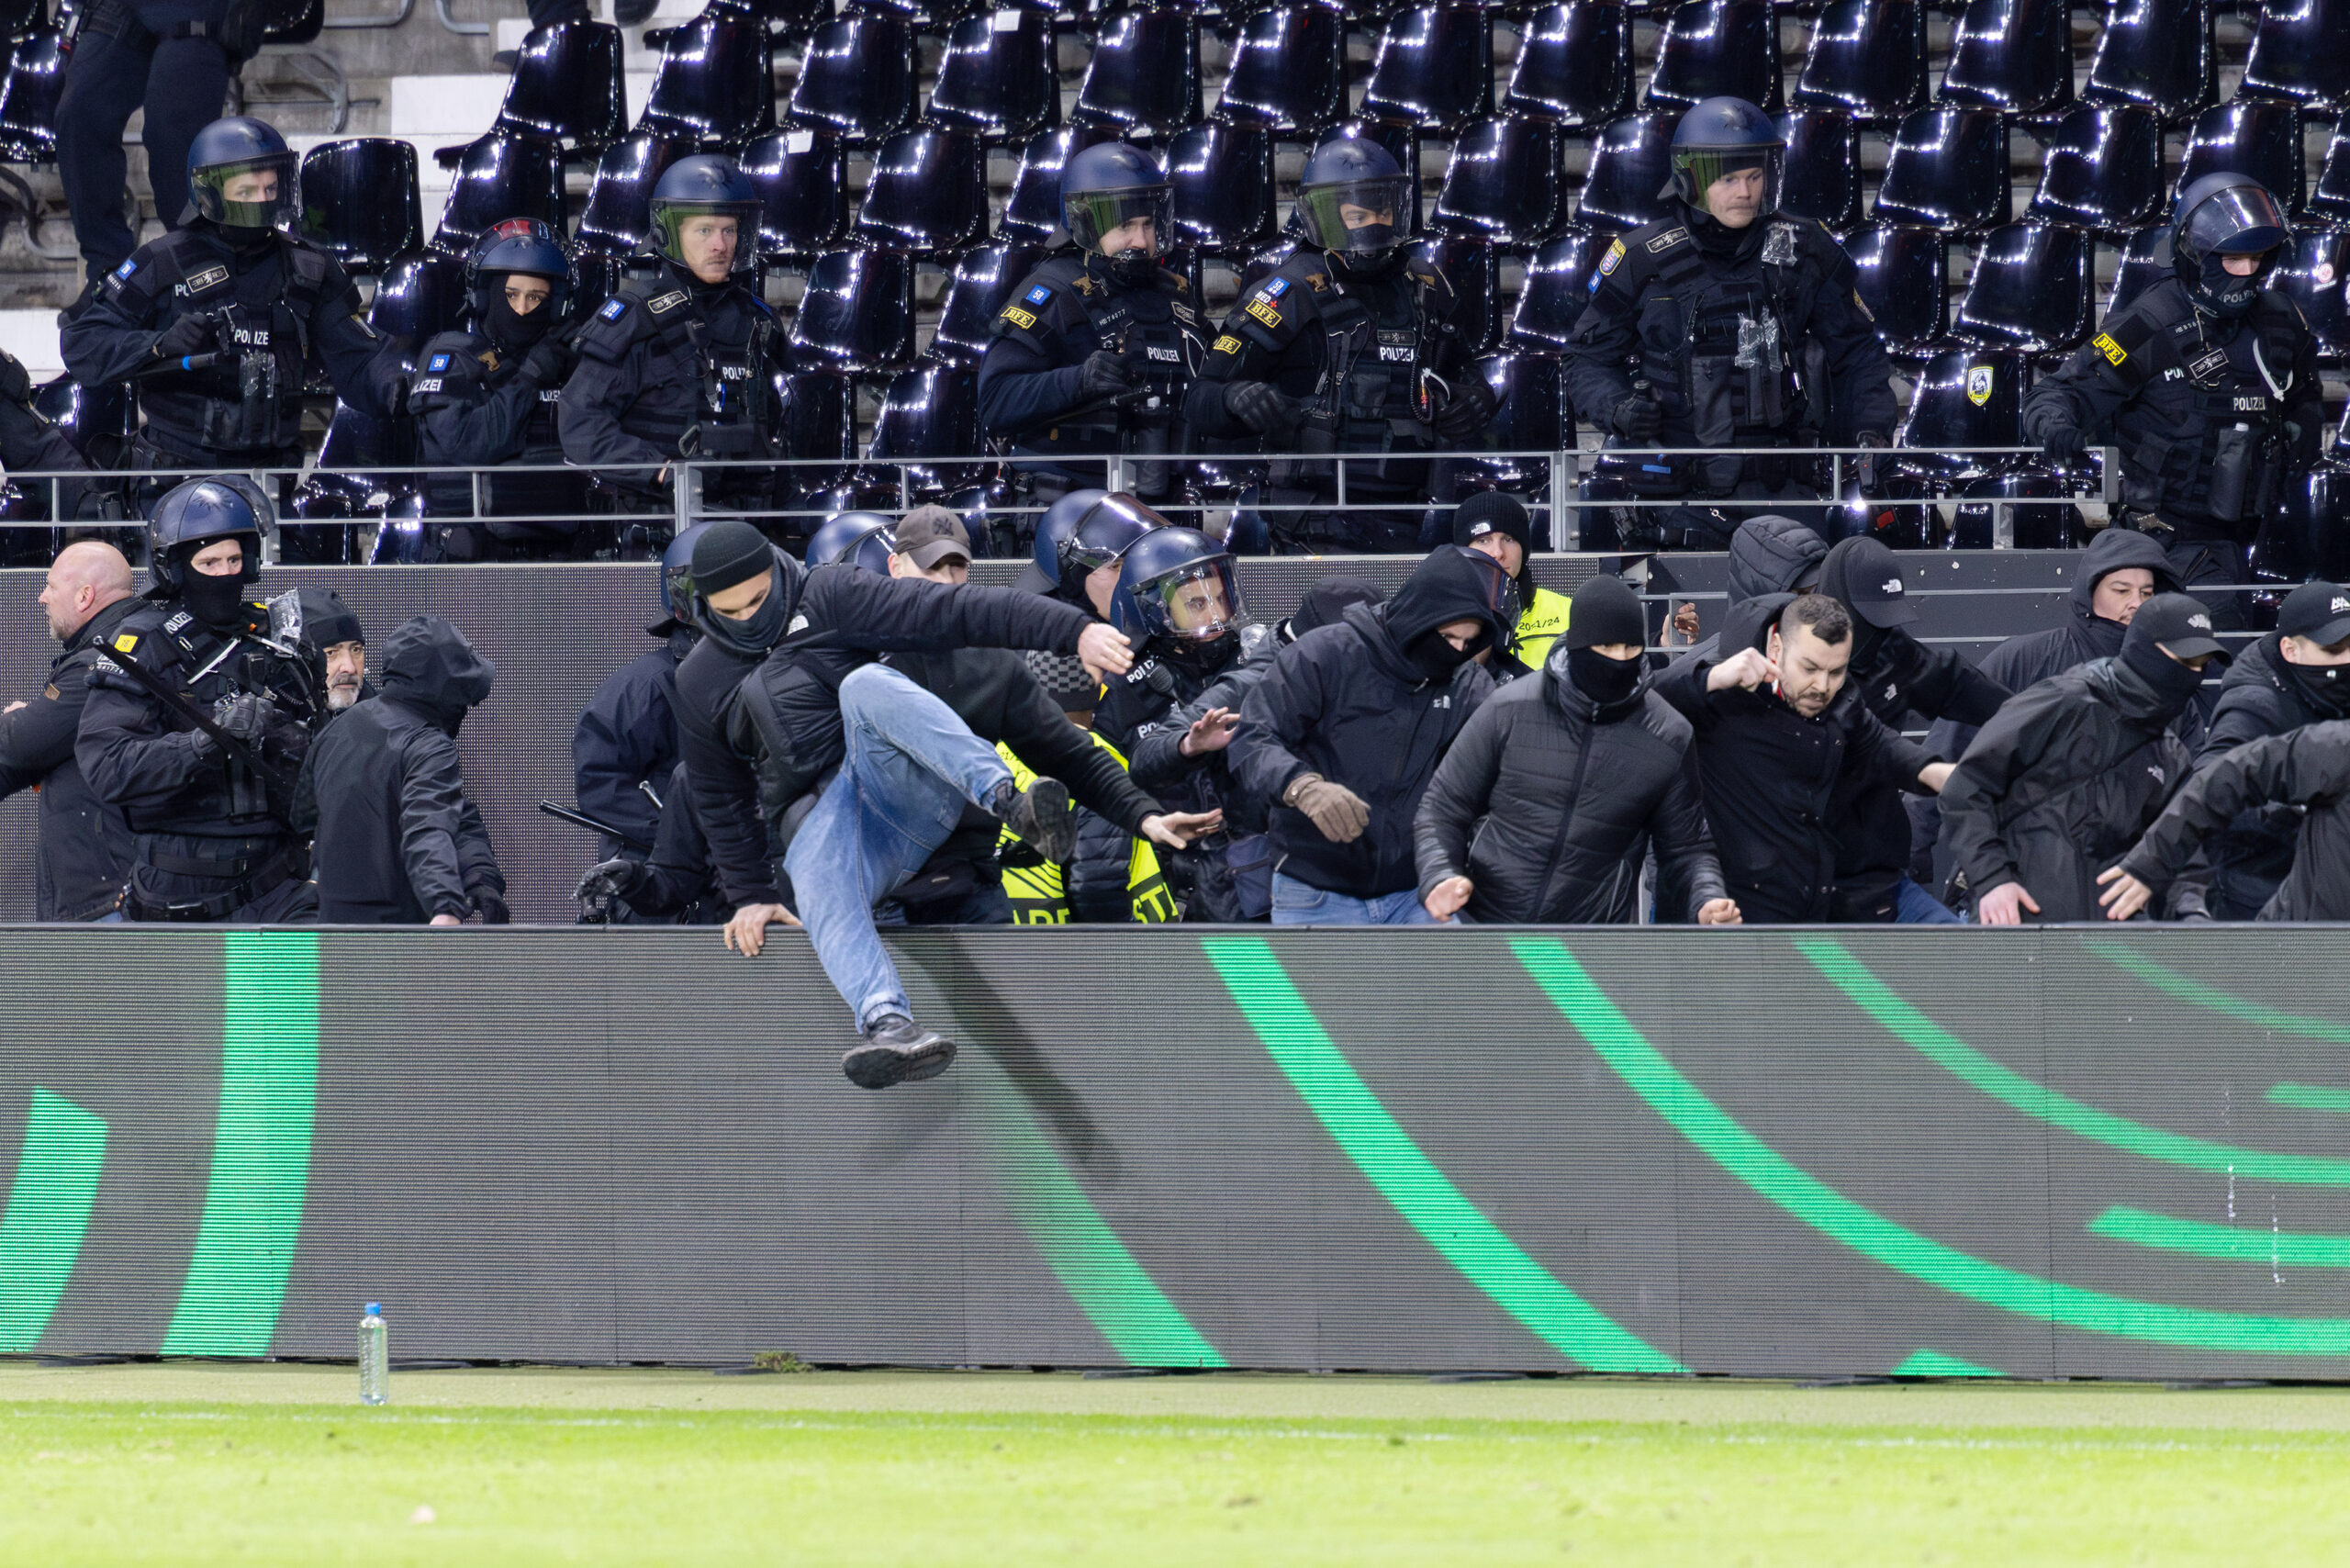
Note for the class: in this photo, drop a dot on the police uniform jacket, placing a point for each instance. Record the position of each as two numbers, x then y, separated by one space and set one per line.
474 408
85 849
666 355
1062 314
626 736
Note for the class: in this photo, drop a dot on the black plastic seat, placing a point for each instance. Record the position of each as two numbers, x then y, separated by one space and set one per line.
620 200
1263 264
568 84
98 420
1574 63
1144 78
1531 414
1868 58
1033 211
2315 276
818 420
1902 268
420 294
857 78
2157 54
2033 289
1947 169
1288 68
359 202
1501 182
802 179
716 81
1434 68
1630 162
338 486
928 194
2302 51
1556 289
2042 518
983 281
930 412
2331 200
1221 177
2310 536
2101 168
28 97
1469 264
2015 56
1964 397
858 313
2250 136
996 78
503 174
1713 47
2145 261
1823 174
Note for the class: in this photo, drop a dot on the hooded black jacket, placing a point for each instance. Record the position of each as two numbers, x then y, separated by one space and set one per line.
1771 776
85 850
2262 695
2307 768
1347 702
1769 553
1548 800
2060 784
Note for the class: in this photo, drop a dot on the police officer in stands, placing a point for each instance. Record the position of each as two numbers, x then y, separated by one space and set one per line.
1094 352
220 322
2210 381
198 721
1727 323
1350 347
624 747
679 364
486 395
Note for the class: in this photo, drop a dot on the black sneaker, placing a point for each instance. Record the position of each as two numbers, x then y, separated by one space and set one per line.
1042 817
897 1050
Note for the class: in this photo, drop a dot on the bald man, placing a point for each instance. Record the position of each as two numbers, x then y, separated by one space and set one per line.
86 847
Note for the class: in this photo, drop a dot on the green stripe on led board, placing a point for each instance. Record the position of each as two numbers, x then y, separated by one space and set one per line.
2235 1244
48 1215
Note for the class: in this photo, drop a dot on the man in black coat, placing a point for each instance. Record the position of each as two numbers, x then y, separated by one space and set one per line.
1571 773
85 849
1346 728
2063 779
384 791
627 736
2306 770
1780 730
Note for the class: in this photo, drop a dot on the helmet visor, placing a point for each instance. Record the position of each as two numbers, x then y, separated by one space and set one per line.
1358 217
1196 602
2241 220
1701 168
1121 222
687 233
257 193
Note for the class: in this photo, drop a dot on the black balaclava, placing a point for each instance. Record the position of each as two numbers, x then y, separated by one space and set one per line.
2174 682
217 602
1437 659
1604 681
2327 686
1368 269
511 332
763 627
2223 294
1605 610
1205 660
732 553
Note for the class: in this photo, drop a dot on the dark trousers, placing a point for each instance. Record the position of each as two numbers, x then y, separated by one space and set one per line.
182 81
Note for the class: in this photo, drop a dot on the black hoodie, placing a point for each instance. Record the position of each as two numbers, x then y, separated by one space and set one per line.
2263 694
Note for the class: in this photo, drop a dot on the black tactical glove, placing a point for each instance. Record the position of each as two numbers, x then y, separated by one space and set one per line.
549 361
1637 417
490 903
2063 444
1872 467
1469 412
1104 375
244 716
1262 408
606 884
188 335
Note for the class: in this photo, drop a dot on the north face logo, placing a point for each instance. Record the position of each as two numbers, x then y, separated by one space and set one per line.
2338 607
1890 585
1891 691
2157 772
2201 622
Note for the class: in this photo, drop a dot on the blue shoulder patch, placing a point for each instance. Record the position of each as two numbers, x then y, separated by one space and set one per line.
1041 294
128 267
438 362
613 310
1276 288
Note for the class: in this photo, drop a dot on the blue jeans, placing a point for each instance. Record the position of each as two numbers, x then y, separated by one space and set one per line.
1301 903
911 767
1913 905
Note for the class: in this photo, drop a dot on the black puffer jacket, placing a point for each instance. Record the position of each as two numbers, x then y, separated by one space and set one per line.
1547 798
2263 694
84 851
2307 768
1768 554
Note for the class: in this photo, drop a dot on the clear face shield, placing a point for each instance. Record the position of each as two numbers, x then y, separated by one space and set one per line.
1696 171
688 232
1360 217
255 193
2241 220
1133 224
1196 603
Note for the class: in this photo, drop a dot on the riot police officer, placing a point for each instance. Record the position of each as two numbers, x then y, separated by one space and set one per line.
199 717
1350 347
680 365
1079 543
220 322
625 745
1741 326
2209 380
486 395
1094 353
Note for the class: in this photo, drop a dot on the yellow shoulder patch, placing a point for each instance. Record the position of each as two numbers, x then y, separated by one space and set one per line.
1227 343
125 642
1017 317
2114 353
1265 313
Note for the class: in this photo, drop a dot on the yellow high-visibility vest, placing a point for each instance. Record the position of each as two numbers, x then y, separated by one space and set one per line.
1039 889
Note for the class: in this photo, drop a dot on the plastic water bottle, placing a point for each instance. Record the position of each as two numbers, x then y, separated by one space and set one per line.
374 1357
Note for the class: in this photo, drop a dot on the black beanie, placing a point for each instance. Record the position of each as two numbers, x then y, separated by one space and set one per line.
728 553
327 622
1606 610
1490 513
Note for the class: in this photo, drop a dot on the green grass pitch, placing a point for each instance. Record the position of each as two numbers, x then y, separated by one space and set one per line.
190 1463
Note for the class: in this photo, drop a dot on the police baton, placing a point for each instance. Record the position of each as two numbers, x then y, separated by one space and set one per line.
581 819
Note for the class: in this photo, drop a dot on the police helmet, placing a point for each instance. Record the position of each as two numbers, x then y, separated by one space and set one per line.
1347 172
1176 583
2226 214
1724 136
240 174
1104 532
1102 189
204 511
519 245
678 582
705 185
860 538
1043 571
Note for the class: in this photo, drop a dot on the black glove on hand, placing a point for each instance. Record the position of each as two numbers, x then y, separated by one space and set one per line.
1872 467
189 334
243 716
1637 417
1257 405
1466 417
1104 375
549 361
606 884
489 903
2064 444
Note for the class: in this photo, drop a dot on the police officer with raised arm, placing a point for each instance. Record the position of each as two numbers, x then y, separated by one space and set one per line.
1348 348
1727 323
1094 352
2208 381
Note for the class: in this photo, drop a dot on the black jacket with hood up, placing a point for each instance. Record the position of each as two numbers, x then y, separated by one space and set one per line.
2263 694
2307 768
1771 554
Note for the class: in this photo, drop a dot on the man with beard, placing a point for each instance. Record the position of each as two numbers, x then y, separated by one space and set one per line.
329 628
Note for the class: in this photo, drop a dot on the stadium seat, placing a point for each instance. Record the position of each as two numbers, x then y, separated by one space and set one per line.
2157 54
857 78
1556 289
420 295
1823 174
2054 523
98 420
1629 163
716 81
2257 137
1222 180
1144 78
2314 276
503 174
2331 200
1947 169
1964 397
620 199
996 79
28 97
1902 268
1531 414
360 203
2310 536
1868 58
1033 211
600 274
1714 47
338 486
932 411
1574 63
2145 261
1501 182
857 315
928 194
1288 68
1469 264
2302 51
803 191
1263 264
2015 56
818 420
2102 167
1434 68
2033 289
567 84
983 280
